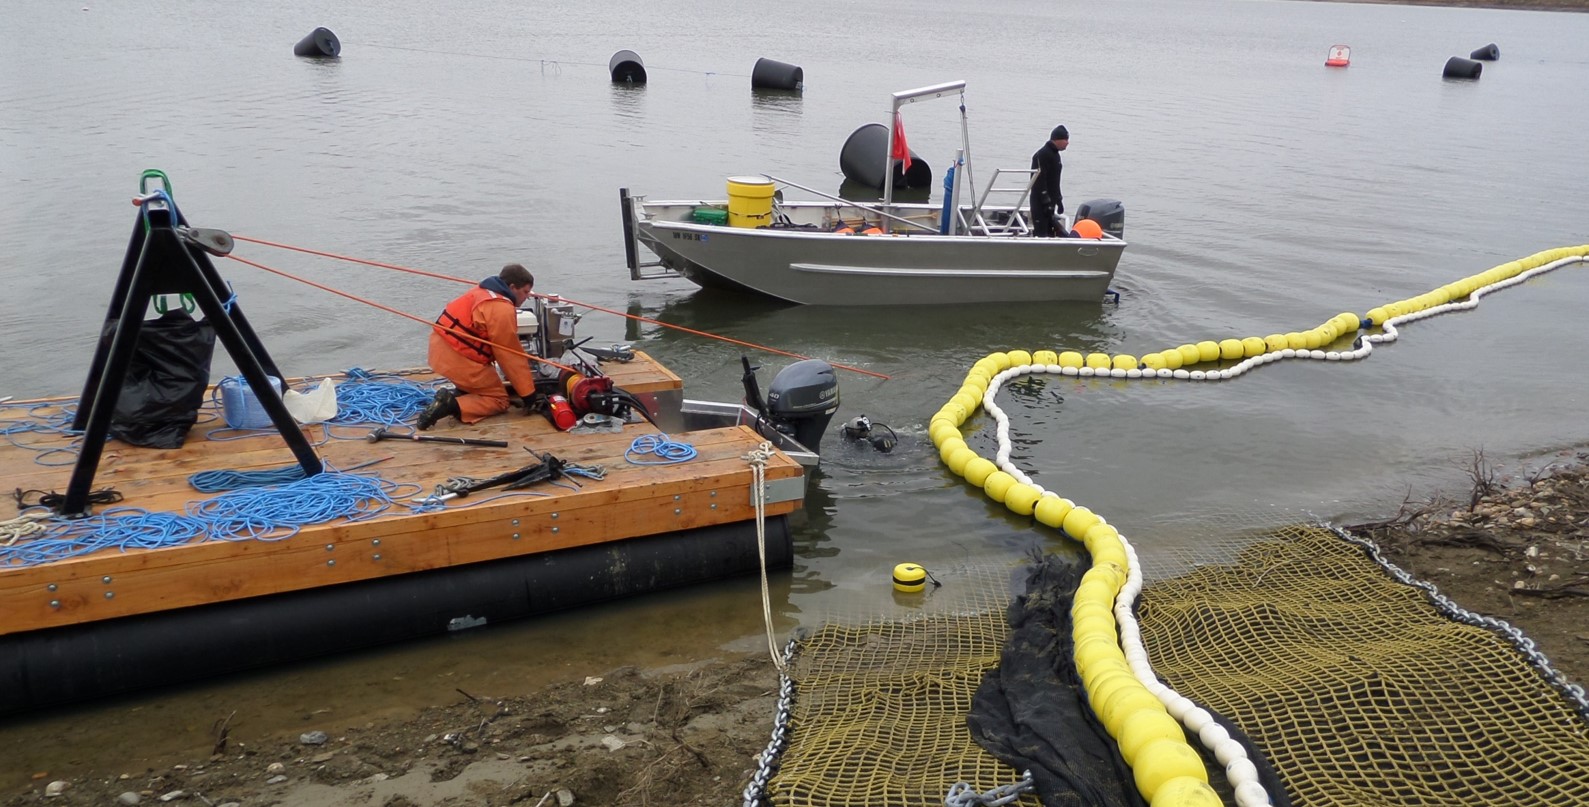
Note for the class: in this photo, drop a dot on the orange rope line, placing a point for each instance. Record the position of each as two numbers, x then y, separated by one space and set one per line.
513 350
623 314
728 339
350 259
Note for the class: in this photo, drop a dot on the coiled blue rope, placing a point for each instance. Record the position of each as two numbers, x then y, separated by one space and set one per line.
217 481
666 451
381 400
364 399
271 513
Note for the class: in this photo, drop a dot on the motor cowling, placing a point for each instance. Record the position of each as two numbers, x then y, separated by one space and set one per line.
802 399
1109 213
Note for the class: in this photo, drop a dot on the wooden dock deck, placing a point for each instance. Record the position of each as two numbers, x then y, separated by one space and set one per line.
631 501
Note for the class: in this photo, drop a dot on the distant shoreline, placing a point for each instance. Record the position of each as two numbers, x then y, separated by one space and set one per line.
1518 5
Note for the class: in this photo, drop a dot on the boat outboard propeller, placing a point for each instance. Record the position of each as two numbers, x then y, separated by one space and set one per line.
861 428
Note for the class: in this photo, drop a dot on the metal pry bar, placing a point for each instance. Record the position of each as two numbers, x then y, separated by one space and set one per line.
382 434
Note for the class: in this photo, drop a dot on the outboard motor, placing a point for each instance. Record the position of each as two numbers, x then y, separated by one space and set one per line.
800 401
1109 213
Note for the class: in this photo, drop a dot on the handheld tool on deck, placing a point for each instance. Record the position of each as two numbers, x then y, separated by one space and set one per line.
545 468
382 434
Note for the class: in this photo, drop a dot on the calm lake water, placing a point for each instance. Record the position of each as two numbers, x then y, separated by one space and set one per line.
1263 192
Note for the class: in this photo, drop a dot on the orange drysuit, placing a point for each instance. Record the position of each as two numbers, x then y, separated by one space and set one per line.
471 364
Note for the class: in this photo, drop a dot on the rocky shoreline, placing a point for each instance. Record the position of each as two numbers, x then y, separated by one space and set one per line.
1516 550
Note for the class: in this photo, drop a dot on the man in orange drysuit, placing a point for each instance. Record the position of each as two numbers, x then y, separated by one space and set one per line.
464 347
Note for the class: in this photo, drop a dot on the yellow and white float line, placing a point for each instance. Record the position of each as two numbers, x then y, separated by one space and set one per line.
1142 714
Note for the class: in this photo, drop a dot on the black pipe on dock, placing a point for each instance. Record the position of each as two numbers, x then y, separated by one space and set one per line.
319 44
626 67
771 75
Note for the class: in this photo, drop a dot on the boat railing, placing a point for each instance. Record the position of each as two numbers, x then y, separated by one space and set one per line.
1013 222
858 205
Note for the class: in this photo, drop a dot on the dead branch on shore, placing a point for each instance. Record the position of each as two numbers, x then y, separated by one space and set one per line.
1485 481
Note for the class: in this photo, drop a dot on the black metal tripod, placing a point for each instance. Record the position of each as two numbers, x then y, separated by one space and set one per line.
165 256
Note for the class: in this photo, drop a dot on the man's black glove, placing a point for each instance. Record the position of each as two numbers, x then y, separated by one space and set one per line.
532 404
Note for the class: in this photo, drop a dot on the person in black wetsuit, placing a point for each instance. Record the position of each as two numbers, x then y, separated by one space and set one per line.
1047 203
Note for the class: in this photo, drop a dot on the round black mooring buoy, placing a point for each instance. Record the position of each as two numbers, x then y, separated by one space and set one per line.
1488 53
863 155
1458 67
320 44
627 68
771 75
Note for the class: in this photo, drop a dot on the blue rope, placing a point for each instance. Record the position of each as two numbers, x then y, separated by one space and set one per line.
364 399
272 513
667 451
57 423
217 481
381 400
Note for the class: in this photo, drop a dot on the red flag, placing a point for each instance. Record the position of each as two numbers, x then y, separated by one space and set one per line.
901 151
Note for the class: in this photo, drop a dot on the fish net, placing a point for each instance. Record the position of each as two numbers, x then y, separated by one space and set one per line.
1358 684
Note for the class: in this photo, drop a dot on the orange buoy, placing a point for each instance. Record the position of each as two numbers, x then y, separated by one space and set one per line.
1087 228
1340 56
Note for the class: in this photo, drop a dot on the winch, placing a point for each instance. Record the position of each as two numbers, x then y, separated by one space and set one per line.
569 392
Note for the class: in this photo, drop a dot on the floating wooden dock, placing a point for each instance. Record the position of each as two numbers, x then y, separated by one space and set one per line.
708 498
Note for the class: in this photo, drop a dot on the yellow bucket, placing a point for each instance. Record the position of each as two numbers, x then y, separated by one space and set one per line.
749 201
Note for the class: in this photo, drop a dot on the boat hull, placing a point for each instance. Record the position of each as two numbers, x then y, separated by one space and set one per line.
821 268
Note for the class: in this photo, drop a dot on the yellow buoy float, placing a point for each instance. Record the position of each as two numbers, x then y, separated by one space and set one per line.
910 578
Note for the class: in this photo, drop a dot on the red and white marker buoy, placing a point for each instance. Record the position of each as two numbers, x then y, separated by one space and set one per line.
1340 56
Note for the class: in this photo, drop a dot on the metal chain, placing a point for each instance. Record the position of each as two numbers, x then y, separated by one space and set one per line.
1573 692
962 794
755 794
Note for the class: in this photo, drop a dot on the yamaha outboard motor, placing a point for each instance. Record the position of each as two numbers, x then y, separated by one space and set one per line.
1109 213
800 401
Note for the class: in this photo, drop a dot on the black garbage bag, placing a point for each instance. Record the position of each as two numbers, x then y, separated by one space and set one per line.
165 382
1031 711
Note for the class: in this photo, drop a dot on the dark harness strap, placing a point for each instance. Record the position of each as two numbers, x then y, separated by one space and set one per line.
459 324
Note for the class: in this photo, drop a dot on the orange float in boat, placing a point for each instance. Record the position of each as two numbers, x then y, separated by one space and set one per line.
1340 56
1087 228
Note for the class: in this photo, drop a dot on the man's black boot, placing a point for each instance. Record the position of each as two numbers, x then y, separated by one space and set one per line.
445 403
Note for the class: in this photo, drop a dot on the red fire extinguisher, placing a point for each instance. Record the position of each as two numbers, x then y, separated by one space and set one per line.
560 413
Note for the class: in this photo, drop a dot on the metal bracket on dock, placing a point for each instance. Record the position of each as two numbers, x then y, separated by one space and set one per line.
792 489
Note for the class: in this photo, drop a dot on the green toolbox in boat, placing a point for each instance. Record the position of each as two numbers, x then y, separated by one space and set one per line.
709 215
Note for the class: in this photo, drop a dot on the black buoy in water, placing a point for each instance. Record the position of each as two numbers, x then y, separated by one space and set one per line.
1458 67
771 75
1488 53
319 44
863 156
627 68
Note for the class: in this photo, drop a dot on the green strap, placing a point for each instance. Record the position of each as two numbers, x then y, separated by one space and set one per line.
149 173
188 303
